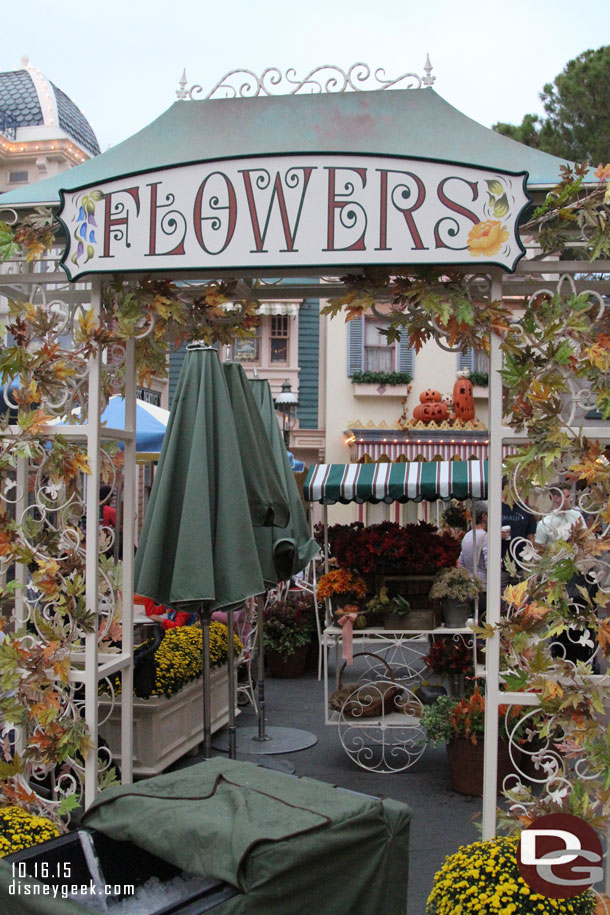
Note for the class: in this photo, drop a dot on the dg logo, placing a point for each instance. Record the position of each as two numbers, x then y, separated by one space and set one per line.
560 856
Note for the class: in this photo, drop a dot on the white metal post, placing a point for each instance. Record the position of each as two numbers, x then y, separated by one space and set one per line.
494 524
128 519
92 560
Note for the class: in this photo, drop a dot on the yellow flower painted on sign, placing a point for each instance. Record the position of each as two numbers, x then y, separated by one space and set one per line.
486 238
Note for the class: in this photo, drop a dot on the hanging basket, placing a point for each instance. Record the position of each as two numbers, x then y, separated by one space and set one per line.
366 699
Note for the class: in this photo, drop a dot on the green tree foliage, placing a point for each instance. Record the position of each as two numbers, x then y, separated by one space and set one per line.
577 105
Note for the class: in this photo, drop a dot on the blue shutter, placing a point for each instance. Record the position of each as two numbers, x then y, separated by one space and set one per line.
466 360
355 346
406 356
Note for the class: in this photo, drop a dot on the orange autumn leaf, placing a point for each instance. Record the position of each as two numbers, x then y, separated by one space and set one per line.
603 636
35 421
515 594
50 648
599 352
6 542
61 669
603 172
534 611
551 689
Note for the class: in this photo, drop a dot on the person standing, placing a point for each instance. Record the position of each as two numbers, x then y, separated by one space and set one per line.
559 522
521 526
473 552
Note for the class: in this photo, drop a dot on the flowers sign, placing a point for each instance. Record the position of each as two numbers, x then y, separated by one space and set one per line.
296 211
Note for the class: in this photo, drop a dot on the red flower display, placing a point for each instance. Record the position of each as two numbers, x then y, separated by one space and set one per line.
413 549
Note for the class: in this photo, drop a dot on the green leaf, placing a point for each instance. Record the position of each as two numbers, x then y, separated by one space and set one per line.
501 207
516 682
8 248
68 802
495 187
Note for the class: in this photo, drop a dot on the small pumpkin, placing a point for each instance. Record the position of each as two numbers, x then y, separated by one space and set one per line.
430 396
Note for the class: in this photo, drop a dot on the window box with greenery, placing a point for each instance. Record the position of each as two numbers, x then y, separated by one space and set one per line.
381 384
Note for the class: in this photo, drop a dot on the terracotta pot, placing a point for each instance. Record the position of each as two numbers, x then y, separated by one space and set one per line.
287 666
466 765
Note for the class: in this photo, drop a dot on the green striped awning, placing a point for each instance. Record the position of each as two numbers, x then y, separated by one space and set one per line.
409 481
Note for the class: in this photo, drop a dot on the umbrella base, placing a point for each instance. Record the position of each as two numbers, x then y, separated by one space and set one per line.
281 740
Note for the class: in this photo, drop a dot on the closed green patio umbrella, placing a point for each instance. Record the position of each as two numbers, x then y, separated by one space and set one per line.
197 548
292 545
284 551
264 486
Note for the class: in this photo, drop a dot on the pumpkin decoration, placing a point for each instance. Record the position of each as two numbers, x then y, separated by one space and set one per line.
430 409
463 400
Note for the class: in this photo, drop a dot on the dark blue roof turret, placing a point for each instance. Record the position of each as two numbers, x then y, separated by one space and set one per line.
28 99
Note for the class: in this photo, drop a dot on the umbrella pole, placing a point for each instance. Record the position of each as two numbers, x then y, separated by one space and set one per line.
204 616
261 672
231 666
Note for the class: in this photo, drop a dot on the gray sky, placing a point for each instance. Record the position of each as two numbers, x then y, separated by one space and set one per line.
120 60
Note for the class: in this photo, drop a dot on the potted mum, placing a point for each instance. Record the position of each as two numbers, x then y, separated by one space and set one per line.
459 723
20 829
287 633
341 587
455 588
485 877
168 721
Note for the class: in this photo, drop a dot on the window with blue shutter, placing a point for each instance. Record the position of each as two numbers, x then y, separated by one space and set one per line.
406 356
466 360
355 346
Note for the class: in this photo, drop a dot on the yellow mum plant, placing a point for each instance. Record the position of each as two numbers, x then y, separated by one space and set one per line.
484 878
20 829
178 657
178 661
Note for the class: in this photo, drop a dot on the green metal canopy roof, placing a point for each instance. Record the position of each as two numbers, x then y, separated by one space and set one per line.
417 123
409 481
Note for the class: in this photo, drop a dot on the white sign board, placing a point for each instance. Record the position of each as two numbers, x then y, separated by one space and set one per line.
294 211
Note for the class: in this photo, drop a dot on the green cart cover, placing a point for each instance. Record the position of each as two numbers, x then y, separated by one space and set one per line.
287 844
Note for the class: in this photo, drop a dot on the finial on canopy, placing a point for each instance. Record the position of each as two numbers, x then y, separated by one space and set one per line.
428 80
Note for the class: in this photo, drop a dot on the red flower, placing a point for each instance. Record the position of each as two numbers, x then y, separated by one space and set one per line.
414 548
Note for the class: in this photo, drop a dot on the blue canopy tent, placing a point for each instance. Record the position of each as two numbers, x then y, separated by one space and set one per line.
151 423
